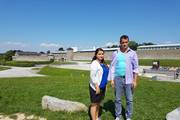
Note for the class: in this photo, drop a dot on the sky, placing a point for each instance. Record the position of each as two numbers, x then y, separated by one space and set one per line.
41 25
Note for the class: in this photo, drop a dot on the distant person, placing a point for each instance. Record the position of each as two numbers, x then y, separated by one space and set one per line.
177 73
98 80
123 74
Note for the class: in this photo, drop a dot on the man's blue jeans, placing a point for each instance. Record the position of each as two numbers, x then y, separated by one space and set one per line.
123 89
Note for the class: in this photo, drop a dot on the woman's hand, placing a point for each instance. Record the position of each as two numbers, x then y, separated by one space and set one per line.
107 65
97 89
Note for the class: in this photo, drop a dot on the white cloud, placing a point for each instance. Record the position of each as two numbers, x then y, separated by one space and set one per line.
15 44
50 45
75 49
168 42
9 45
111 43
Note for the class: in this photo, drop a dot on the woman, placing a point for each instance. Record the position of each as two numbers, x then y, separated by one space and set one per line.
98 80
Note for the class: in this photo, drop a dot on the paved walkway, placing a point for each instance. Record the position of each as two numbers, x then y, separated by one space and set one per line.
29 72
20 116
78 66
86 66
19 72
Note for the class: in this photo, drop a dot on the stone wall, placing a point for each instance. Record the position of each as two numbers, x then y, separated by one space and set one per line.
142 54
89 55
69 55
159 54
31 58
60 57
83 55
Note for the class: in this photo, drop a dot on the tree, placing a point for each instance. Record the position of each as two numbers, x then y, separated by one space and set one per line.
61 49
69 48
8 55
1 57
133 45
41 52
147 43
113 46
18 51
48 52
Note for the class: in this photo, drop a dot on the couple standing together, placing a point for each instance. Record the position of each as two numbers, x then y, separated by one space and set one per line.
122 73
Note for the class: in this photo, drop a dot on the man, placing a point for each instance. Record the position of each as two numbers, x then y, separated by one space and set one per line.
123 76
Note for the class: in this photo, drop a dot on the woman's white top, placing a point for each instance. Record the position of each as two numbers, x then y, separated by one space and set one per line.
96 73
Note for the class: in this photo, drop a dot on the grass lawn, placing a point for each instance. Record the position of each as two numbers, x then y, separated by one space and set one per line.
152 99
166 63
4 68
23 63
60 63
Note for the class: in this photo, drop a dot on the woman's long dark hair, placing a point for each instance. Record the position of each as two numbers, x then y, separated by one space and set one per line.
96 52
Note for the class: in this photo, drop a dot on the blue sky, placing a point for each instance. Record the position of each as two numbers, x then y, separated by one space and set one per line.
41 25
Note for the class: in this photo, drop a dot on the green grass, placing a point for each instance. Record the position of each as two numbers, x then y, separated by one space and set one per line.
60 63
35 68
24 63
152 99
167 63
83 60
4 68
32 63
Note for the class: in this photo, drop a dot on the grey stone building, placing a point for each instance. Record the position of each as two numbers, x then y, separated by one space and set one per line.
144 52
31 56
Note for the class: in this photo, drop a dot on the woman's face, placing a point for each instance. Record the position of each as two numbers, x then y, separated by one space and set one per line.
100 55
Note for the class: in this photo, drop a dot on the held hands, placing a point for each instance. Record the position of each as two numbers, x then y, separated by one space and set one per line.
112 83
97 89
134 84
107 65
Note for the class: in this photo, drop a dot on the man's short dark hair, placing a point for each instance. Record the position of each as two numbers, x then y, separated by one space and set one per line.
124 37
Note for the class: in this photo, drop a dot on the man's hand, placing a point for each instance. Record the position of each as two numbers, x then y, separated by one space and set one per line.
112 83
135 80
134 84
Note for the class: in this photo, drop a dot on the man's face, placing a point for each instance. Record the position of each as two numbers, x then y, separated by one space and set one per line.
124 43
